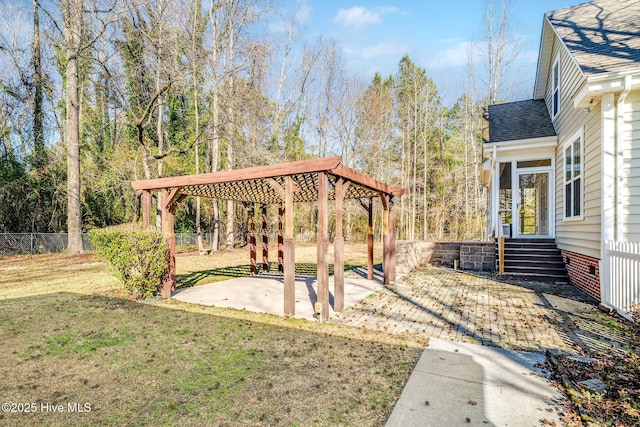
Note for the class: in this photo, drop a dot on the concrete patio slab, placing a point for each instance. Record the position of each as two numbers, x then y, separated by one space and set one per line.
265 293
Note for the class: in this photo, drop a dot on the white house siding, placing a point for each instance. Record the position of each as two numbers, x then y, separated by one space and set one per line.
580 236
630 189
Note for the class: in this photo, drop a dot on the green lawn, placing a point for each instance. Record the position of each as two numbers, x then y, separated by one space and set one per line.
167 363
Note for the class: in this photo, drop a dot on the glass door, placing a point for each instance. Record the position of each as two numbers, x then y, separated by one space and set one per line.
533 207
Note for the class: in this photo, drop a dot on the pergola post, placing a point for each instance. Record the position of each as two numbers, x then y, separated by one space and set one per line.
169 279
392 241
385 238
265 239
323 243
289 251
280 240
370 240
146 209
251 210
338 248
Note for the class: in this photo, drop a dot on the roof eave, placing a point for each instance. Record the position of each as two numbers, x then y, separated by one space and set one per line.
522 144
599 84
544 51
541 83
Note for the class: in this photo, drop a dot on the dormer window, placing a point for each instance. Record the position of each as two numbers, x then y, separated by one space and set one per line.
555 88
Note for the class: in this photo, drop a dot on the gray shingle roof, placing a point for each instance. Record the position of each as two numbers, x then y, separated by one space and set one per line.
603 35
517 120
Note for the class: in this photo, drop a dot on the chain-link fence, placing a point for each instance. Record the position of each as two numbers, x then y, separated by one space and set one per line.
42 243
35 243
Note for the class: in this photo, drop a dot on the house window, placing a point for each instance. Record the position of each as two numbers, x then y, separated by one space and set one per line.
573 181
555 87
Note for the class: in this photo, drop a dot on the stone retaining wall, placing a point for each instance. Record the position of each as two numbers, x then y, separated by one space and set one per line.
409 255
470 255
478 256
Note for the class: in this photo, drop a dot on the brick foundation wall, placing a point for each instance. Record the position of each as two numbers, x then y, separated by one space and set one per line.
478 256
578 267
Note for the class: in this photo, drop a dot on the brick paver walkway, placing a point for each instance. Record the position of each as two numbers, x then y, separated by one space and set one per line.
464 307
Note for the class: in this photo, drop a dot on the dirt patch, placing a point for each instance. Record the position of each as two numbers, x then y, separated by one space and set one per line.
603 379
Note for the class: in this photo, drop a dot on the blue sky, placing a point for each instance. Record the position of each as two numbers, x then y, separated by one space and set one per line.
374 35
436 34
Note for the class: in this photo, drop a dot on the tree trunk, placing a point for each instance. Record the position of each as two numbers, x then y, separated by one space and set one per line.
72 12
38 112
214 144
231 135
159 127
197 159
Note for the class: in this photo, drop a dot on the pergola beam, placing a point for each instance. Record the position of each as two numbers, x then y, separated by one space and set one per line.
365 180
254 173
277 187
171 198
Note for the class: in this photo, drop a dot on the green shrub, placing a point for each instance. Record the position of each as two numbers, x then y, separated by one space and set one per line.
140 258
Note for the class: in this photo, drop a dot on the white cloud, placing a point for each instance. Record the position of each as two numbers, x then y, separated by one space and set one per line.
302 13
461 50
455 56
358 17
387 9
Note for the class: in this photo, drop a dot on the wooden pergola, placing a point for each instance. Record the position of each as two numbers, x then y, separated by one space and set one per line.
284 184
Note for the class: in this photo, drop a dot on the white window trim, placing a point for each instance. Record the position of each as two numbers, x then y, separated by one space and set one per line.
568 144
556 62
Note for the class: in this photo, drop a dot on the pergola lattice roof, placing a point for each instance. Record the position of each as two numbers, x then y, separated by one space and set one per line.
265 184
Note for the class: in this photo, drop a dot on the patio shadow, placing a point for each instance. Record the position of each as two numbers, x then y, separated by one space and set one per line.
197 277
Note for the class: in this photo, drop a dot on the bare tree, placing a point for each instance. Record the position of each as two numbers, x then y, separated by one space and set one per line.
500 47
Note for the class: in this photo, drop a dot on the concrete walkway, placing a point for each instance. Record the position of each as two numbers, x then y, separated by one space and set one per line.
457 384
